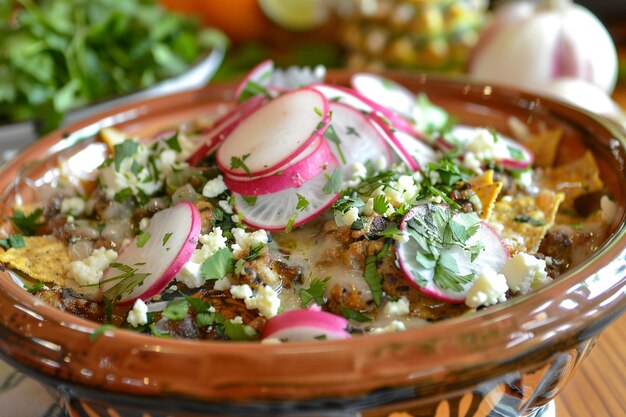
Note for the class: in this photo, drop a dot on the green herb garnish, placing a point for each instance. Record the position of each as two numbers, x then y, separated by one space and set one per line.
236 162
302 202
124 150
315 292
27 225
172 143
176 310
142 239
335 180
354 315
100 331
218 265
13 241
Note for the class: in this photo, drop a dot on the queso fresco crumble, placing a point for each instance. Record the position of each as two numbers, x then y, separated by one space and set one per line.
308 211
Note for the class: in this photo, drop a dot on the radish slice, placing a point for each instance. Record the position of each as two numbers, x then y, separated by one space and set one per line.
304 325
385 92
261 75
359 140
292 177
272 136
390 136
519 157
420 151
352 98
214 135
173 235
494 256
278 210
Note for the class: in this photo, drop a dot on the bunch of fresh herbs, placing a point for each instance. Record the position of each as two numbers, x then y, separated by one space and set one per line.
57 55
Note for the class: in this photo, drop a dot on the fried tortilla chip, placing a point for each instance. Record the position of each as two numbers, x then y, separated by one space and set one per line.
574 179
544 146
487 191
524 221
42 258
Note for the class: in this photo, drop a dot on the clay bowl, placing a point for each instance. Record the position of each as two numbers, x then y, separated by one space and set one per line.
509 360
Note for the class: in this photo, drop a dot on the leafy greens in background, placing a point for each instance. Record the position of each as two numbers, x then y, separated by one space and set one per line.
56 55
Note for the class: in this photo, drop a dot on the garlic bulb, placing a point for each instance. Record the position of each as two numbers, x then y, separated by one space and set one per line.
531 43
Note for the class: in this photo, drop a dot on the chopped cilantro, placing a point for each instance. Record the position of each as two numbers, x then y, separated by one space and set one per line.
380 204
176 310
166 238
352 131
172 143
198 305
516 154
237 331
302 202
290 223
37 286
100 331
127 281
253 89
142 239
314 293
250 200
255 252
447 274
218 265
335 180
318 111
27 225
124 150
331 134
236 162
373 276
123 195
13 241
354 315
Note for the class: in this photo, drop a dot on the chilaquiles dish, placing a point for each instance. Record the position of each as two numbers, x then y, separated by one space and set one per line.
306 211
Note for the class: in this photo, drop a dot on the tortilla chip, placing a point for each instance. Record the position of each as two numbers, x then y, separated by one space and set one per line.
42 258
524 221
574 179
486 190
544 146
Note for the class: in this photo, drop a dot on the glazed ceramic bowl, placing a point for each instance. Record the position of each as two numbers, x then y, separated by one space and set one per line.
508 360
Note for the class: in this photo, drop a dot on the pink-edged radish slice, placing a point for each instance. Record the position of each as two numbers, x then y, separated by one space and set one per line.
508 152
396 145
215 134
356 138
279 210
173 236
292 177
352 98
493 255
272 136
423 153
260 75
385 92
306 325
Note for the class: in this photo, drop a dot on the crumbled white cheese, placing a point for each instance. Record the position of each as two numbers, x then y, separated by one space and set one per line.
471 162
524 272
397 308
237 320
401 191
488 288
368 208
265 300
608 209
357 171
191 273
225 205
394 326
222 284
73 206
167 157
214 187
88 271
484 147
138 315
241 291
245 241
434 177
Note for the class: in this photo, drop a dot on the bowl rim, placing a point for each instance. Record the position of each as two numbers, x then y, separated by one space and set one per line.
521 334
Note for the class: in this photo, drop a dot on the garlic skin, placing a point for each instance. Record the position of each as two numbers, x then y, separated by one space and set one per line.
530 44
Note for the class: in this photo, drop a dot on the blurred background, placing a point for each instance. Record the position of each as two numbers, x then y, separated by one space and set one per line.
62 60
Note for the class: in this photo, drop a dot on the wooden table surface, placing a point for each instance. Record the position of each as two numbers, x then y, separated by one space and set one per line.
598 389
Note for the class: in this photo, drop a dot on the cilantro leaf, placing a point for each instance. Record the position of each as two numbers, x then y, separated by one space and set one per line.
142 239
335 180
236 162
124 150
176 310
380 204
373 276
13 241
172 143
250 200
238 331
37 286
27 225
354 315
218 265
302 202
331 134
314 293
167 237
100 331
